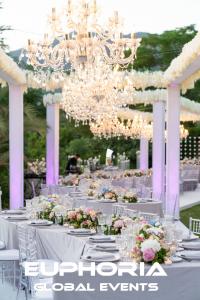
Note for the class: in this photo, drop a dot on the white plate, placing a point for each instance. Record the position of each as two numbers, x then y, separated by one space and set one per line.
113 258
48 223
13 212
16 218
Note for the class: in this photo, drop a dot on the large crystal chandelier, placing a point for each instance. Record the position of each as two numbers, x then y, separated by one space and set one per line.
75 38
92 93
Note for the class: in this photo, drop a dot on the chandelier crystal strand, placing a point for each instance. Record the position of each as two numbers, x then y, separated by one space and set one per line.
135 128
75 38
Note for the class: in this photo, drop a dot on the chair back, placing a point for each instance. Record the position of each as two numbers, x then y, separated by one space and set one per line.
149 217
27 243
194 225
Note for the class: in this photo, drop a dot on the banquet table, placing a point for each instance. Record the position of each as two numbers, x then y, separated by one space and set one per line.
182 282
53 242
154 207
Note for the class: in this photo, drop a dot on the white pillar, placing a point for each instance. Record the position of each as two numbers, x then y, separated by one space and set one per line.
144 154
158 150
52 144
173 151
16 146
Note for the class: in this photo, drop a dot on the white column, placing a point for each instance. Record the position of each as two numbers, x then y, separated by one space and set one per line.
158 150
52 144
144 154
173 151
16 146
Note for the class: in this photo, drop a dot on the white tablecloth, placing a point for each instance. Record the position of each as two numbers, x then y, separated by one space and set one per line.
150 207
183 281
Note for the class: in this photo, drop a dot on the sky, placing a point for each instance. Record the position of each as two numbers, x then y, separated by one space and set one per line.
28 17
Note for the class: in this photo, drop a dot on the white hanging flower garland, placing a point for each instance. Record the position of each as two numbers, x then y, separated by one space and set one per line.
52 99
11 69
189 54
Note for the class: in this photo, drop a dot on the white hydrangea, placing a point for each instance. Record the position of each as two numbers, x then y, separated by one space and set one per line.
150 244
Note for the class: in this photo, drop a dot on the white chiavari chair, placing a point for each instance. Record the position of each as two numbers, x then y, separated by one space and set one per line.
194 225
149 217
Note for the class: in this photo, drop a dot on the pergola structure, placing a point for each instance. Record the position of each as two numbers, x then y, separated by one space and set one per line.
16 79
178 76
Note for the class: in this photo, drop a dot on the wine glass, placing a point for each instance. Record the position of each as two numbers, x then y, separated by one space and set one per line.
101 222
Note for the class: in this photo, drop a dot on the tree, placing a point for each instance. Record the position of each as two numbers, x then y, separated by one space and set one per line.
2 30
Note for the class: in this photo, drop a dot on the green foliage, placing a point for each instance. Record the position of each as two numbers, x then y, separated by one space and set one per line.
193 212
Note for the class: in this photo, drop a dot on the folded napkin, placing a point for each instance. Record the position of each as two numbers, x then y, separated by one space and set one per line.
190 254
80 230
99 256
106 246
101 239
191 245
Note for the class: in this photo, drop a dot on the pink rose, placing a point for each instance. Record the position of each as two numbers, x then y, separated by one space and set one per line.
118 224
139 238
148 255
72 214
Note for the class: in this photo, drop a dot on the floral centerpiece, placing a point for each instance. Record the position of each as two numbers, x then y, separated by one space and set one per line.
108 194
150 245
37 167
69 181
50 208
117 224
82 218
130 197
91 193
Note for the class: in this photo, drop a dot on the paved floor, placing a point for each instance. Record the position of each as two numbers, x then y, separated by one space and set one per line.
189 199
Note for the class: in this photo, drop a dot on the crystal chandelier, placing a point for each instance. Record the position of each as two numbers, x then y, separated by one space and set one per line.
115 127
135 128
92 93
75 38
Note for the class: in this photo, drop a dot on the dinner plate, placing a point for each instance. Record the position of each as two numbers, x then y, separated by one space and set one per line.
13 212
101 257
16 218
37 223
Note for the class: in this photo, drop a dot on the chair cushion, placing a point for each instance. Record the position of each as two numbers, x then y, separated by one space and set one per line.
9 255
2 245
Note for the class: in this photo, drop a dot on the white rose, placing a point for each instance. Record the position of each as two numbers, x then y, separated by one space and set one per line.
150 244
